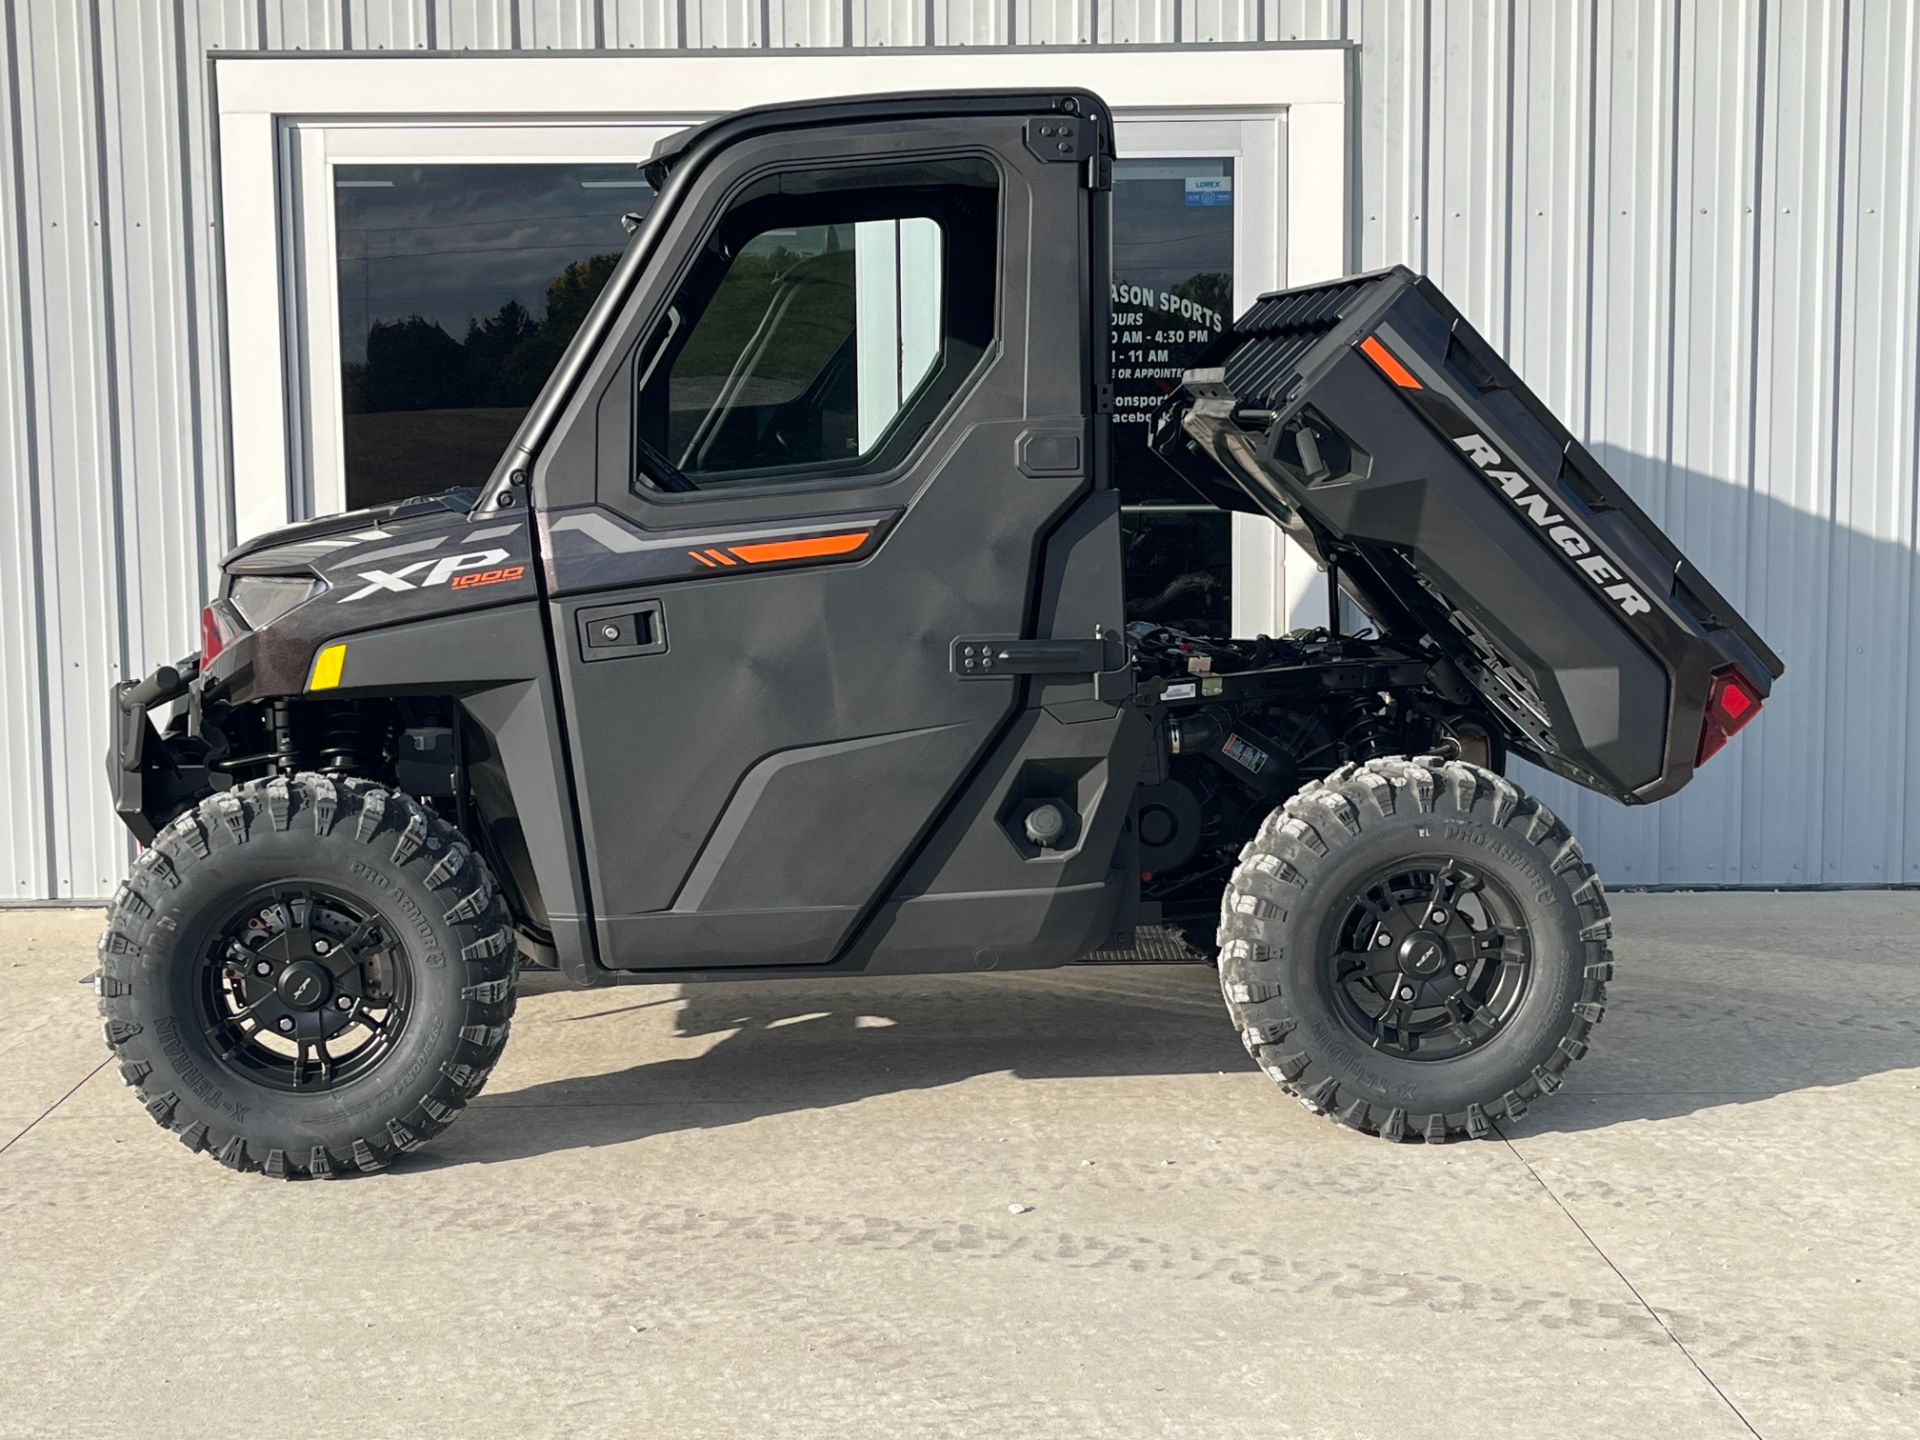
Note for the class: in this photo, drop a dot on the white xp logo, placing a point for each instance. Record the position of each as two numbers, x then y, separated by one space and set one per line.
443 570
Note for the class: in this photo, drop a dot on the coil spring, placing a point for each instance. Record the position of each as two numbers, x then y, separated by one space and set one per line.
1368 733
351 741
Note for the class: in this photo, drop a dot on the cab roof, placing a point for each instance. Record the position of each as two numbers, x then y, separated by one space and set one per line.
670 150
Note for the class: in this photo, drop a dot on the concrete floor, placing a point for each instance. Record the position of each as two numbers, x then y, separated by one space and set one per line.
784 1209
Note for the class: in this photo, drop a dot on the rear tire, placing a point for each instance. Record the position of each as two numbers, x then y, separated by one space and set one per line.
322 916
1415 948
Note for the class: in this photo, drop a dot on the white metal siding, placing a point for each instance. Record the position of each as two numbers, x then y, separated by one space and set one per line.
1694 227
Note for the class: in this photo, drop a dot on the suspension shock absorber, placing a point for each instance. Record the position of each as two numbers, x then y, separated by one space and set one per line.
1366 733
280 722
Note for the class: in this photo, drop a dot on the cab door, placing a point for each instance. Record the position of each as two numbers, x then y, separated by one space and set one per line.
814 469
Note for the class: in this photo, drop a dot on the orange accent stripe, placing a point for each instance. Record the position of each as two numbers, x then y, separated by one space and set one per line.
771 550
701 558
721 556
1389 365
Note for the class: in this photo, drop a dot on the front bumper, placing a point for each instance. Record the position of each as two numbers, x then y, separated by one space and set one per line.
147 782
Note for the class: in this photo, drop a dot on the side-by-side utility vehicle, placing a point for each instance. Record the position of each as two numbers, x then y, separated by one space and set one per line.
789 637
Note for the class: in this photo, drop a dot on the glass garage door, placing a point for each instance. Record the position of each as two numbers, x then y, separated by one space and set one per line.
1196 221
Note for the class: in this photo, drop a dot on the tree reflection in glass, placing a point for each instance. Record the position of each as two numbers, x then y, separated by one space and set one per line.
460 286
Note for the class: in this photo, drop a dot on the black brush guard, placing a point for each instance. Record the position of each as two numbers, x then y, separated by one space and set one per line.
1372 422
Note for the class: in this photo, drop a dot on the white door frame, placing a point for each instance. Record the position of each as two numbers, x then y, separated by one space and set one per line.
263 101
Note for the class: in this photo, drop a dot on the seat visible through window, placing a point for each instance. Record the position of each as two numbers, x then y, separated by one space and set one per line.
831 316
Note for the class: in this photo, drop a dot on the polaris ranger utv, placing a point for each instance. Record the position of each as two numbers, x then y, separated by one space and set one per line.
771 649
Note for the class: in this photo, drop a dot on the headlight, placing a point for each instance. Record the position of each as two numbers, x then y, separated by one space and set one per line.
263 599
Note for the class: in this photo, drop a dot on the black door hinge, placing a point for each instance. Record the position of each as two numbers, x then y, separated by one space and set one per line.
1062 139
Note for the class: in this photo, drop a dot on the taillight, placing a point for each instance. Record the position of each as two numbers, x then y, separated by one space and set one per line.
1731 703
213 635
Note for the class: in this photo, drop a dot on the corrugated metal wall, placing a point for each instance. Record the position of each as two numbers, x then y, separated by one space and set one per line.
1694 226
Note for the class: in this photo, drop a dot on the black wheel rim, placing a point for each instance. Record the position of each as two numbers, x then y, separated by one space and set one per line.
1429 959
304 989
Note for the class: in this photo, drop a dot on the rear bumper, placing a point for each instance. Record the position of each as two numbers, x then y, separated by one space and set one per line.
144 780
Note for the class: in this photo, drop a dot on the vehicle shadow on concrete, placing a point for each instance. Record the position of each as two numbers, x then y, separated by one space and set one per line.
772 1047
1689 1027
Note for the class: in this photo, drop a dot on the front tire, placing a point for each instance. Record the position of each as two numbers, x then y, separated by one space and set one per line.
307 976
1415 948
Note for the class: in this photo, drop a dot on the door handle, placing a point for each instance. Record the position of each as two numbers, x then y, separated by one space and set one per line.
611 632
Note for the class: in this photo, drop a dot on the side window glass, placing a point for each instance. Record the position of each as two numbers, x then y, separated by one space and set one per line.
458 287
830 318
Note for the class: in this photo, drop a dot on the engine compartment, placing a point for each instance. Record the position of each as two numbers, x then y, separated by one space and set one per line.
1241 724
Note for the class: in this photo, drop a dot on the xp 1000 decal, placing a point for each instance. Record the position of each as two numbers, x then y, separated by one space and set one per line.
461 572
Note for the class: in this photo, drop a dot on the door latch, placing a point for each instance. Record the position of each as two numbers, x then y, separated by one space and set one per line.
609 632
985 657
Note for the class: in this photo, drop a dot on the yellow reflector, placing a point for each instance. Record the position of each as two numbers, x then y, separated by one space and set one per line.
327 666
